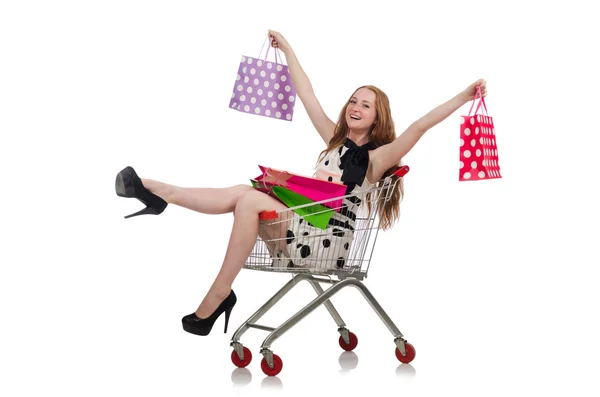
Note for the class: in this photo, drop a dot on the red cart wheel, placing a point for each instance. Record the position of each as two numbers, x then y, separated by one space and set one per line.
238 362
277 366
349 346
410 354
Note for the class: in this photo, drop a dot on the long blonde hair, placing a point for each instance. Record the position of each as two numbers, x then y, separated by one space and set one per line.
381 133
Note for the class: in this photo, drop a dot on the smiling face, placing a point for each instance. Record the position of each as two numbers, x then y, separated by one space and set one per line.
361 113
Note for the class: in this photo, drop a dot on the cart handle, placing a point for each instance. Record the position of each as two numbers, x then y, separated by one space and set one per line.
268 215
400 172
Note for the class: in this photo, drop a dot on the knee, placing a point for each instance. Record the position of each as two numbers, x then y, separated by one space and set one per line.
241 189
249 201
237 192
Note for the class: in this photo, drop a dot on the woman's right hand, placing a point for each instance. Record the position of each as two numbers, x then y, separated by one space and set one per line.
278 41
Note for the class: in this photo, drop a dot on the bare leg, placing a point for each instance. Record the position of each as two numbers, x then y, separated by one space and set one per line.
205 200
242 240
274 235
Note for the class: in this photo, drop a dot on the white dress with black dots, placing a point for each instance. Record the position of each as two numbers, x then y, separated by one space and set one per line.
328 249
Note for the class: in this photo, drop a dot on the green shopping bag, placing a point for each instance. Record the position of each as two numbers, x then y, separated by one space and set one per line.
317 215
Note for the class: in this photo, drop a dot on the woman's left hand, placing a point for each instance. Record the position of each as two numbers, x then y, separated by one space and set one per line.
471 91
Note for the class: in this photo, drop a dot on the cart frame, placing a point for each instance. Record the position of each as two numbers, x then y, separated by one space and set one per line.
351 274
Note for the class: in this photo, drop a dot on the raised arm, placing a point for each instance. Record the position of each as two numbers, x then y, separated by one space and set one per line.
304 89
387 156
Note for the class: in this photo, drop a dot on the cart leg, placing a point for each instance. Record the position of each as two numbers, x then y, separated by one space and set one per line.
268 305
398 337
283 328
379 310
332 310
334 313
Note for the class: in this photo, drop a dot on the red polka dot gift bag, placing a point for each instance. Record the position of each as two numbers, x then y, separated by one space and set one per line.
478 150
264 87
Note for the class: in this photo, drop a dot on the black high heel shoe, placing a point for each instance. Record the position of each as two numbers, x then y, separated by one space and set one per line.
129 184
203 326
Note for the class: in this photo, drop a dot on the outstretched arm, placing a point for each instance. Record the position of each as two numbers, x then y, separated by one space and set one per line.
387 156
304 89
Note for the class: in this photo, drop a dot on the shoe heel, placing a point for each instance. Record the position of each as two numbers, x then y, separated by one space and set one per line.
145 211
227 313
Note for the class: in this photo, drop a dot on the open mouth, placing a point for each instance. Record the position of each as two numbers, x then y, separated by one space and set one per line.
353 117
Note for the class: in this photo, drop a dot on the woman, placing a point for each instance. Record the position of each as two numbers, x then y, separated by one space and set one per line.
362 148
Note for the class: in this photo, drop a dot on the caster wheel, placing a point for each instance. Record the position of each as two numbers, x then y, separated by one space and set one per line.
277 366
238 362
410 354
349 346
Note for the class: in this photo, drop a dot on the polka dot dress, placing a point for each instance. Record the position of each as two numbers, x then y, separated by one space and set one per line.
310 247
263 88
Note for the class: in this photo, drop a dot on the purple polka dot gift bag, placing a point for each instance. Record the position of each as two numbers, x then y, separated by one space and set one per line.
264 88
478 157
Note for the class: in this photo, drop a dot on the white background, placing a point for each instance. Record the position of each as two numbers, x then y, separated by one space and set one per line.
492 281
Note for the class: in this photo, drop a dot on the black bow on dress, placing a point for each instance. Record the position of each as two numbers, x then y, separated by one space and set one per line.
354 163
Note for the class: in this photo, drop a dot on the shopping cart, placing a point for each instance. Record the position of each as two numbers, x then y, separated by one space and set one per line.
344 253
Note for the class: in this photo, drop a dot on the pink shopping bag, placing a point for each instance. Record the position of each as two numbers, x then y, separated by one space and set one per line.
312 188
478 146
264 87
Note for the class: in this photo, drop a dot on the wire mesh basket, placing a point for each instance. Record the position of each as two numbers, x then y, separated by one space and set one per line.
291 240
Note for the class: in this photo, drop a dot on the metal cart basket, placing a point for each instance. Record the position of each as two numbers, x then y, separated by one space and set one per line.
288 243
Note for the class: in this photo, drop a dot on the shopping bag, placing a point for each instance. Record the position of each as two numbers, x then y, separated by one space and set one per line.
312 188
264 87
262 187
317 215
478 146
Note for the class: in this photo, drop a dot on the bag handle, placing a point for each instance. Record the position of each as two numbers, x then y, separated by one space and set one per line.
265 172
276 52
478 95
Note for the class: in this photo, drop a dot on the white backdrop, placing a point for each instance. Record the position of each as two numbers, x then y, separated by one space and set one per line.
492 281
